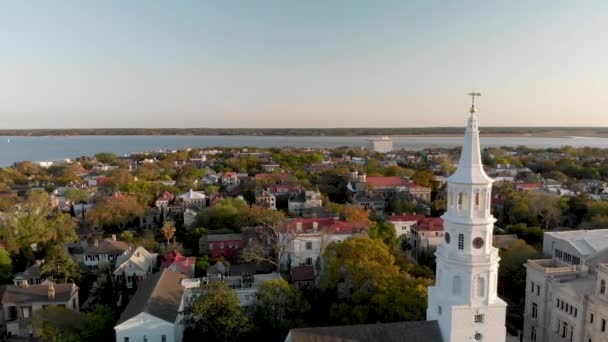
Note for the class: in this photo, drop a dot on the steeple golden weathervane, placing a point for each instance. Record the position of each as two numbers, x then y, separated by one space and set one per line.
473 94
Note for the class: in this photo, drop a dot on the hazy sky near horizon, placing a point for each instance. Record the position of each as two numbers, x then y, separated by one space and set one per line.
288 63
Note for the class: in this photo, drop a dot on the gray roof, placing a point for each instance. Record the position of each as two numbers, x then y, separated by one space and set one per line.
37 293
417 331
107 246
159 295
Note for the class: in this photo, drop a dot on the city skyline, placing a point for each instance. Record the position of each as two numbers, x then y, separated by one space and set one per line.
293 64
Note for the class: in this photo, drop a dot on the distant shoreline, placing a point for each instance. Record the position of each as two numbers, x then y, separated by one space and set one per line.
529 132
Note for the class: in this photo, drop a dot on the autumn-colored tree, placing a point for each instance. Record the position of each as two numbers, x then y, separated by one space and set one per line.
423 178
374 289
115 211
168 231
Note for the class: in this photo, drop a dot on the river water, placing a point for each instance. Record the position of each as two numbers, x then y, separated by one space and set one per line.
14 149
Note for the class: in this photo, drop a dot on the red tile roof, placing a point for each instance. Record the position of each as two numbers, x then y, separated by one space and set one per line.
386 182
325 224
166 196
406 218
181 262
229 175
434 224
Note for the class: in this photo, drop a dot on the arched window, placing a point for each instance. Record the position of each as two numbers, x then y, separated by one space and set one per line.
481 287
461 200
602 286
456 286
477 201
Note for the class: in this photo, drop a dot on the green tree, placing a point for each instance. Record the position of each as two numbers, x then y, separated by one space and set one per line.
278 308
98 325
58 265
106 157
6 266
385 232
75 195
216 315
423 178
55 323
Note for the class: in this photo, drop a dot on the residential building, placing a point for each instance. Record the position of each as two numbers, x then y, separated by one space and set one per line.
360 185
303 277
230 180
176 262
306 239
105 251
404 223
138 263
164 199
20 302
31 276
464 298
303 200
382 145
265 199
426 236
218 245
193 199
245 286
154 312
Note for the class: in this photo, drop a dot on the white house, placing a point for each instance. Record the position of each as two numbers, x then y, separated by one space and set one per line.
404 223
105 251
153 314
139 263
230 180
193 199
306 239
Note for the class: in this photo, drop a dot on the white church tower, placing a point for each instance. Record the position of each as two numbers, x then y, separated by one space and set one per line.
464 299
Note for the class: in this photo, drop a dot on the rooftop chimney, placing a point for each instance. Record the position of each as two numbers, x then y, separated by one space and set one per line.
51 291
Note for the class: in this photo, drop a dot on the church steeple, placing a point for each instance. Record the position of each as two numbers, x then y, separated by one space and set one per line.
470 168
464 299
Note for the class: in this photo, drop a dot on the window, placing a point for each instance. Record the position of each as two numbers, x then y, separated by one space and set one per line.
602 286
538 290
461 200
591 318
126 339
439 309
533 334
558 301
564 329
534 310
477 199
575 312
603 325
26 312
163 338
478 318
309 261
460 241
532 287
145 338
308 245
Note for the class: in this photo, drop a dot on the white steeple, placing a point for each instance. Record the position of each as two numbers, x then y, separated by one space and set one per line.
464 299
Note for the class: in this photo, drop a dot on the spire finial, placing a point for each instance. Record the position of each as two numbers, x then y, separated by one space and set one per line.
472 95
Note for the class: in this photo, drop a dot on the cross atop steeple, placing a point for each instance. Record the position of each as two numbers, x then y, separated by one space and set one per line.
473 94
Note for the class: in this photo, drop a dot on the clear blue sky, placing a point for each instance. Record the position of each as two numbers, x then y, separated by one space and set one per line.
283 63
